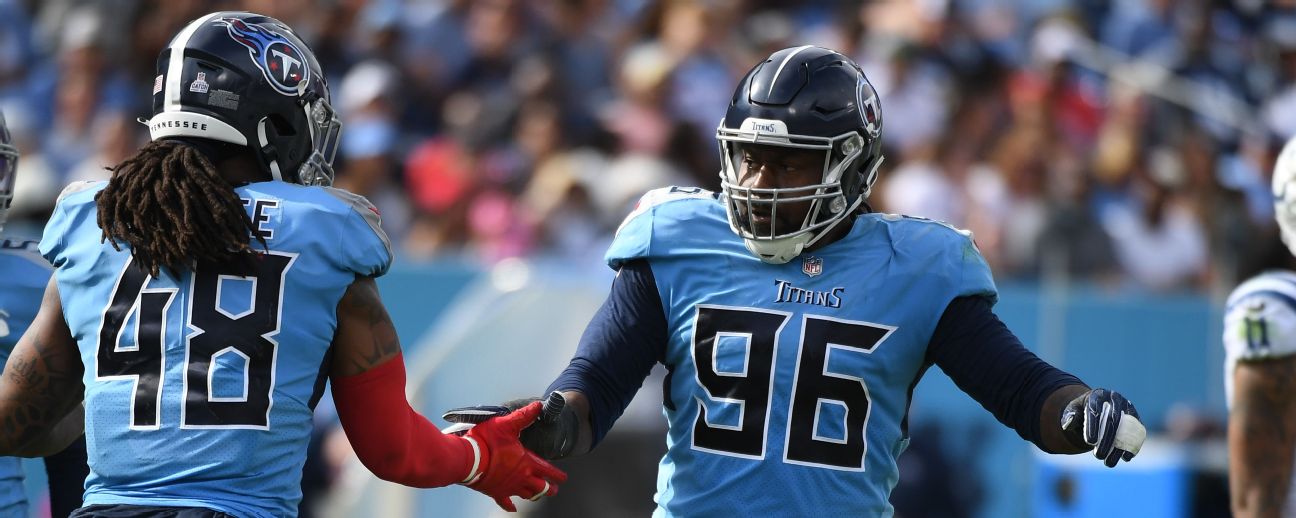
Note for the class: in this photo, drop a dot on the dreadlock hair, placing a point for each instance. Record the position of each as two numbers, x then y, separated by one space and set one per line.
174 209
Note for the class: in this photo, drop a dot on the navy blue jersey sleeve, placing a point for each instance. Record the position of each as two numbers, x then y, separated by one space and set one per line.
626 337
983 357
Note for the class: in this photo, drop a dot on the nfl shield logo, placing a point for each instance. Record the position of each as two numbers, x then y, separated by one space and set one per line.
812 266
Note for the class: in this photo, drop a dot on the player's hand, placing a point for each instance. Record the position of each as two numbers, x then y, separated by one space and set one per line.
464 418
552 437
1106 421
505 468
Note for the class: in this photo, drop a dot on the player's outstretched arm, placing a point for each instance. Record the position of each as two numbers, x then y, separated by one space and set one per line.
989 362
399 445
1262 436
41 388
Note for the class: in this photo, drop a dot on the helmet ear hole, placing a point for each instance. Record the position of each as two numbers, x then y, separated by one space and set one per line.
281 126
283 133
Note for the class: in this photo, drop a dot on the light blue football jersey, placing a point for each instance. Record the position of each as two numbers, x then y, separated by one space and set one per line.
789 384
200 387
23 275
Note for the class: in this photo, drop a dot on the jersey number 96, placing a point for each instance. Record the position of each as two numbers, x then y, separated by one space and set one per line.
813 385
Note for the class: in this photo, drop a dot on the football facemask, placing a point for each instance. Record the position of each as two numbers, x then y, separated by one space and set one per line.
326 132
776 242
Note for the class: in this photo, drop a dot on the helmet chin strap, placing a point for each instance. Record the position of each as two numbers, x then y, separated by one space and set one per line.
264 141
780 251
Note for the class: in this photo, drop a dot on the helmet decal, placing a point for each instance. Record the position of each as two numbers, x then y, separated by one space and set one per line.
870 113
281 62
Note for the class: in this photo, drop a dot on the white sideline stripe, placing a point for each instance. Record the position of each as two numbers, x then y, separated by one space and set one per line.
175 64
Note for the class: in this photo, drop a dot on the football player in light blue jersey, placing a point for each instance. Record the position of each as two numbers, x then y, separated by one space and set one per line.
1260 371
794 323
21 285
25 274
204 294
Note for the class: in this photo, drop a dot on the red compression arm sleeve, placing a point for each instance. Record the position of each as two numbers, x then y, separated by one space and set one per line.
396 443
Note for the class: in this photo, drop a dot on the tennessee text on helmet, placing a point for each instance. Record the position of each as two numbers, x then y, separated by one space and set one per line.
801 98
248 80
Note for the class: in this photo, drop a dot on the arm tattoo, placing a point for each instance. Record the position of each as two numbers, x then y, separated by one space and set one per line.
23 372
370 327
41 383
385 342
1262 435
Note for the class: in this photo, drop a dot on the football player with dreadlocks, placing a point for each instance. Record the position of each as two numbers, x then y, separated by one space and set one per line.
204 294
794 323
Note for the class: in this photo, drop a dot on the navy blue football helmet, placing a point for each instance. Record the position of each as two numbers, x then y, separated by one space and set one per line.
8 170
807 98
248 80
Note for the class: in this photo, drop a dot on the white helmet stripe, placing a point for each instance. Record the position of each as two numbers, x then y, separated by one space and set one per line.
783 64
175 64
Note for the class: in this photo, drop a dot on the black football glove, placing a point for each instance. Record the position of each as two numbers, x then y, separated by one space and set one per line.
552 436
1107 422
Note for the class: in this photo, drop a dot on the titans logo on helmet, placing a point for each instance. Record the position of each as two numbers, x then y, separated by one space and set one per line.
867 101
281 62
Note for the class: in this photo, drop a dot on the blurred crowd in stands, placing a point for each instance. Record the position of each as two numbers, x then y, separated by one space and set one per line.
1125 142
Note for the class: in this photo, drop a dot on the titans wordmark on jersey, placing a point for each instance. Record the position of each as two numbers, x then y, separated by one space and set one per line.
789 384
199 391
22 284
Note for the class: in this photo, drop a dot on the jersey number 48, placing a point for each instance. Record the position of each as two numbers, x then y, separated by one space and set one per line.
215 332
